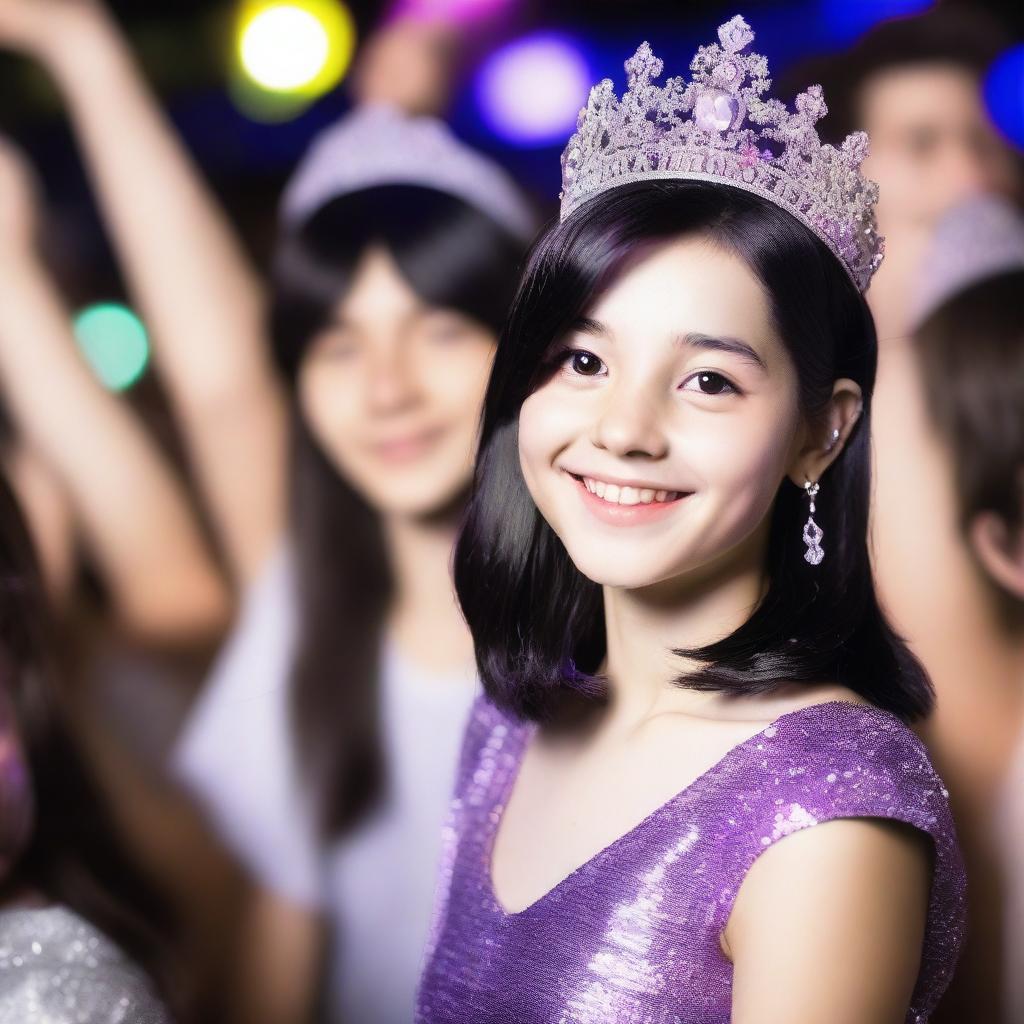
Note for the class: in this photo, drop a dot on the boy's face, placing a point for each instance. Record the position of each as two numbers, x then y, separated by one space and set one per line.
932 144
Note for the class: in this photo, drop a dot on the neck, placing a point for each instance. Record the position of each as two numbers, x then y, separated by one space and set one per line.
424 617
644 626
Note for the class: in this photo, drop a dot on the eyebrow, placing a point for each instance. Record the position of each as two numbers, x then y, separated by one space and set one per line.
720 344
714 343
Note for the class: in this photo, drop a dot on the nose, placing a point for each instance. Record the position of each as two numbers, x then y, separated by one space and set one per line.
392 379
631 424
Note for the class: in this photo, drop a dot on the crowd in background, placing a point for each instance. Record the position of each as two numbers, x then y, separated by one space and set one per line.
182 595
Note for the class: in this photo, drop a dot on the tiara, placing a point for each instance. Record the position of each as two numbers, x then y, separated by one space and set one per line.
381 145
719 128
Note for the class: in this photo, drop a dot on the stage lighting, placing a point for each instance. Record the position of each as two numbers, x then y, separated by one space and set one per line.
1004 94
114 342
530 91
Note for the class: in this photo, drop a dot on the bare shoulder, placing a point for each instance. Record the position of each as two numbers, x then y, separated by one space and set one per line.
829 925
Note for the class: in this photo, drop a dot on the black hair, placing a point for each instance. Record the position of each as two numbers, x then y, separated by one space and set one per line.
971 353
73 854
537 622
453 256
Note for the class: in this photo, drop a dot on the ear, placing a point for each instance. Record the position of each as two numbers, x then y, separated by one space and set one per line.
1000 551
826 438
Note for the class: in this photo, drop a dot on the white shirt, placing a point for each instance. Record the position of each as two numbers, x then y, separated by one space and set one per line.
376 884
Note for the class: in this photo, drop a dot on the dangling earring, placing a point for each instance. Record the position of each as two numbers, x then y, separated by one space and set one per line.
812 531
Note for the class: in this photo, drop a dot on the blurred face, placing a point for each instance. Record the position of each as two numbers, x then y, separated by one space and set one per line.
392 390
657 446
932 144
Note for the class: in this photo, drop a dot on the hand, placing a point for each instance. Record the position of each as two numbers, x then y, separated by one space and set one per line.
19 201
35 27
407 64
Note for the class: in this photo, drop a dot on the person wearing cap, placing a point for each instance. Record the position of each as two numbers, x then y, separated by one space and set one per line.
333 443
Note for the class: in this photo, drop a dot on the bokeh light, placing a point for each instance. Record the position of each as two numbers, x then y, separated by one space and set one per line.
450 10
114 341
845 20
530 91
289 53
1004 94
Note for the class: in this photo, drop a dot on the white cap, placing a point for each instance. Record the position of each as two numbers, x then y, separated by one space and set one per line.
380 145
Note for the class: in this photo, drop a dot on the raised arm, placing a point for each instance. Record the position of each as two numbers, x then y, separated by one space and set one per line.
130 507
188 273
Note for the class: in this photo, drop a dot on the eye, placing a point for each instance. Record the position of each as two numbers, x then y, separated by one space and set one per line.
709 383
582 362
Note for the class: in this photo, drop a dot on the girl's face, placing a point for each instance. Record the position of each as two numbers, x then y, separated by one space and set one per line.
392 388
656 448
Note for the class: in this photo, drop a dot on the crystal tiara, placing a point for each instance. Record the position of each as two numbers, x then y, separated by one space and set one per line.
718 128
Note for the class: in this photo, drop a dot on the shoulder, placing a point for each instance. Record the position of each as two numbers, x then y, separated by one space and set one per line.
889 866
822 912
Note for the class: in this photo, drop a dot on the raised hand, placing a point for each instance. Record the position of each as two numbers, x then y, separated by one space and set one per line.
19 202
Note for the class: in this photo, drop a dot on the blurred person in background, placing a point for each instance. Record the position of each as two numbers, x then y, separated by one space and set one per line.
324 746
914 85
85 938
961 521
99 482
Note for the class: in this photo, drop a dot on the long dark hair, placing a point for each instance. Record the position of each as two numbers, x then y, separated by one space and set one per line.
454 257
538 623
72 855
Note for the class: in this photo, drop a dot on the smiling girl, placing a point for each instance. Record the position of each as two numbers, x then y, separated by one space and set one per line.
684 660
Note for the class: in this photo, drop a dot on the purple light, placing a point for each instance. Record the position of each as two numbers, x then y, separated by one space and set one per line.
449 10
530 91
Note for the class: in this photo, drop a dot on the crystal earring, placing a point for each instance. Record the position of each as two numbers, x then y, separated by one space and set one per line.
812 531
832 441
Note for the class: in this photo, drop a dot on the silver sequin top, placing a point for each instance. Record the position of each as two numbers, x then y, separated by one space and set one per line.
57 968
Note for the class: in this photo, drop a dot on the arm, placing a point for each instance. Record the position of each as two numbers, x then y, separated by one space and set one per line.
189 275
828 926
277 961
131 509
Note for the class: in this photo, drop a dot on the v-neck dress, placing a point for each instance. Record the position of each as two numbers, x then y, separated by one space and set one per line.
631 936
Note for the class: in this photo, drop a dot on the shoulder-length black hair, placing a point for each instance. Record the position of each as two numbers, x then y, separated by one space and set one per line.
455 257
538 623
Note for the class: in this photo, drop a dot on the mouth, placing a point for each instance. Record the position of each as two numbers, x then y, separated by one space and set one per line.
626 503
406 448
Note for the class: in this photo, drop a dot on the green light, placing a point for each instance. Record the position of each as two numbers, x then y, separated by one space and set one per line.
114 341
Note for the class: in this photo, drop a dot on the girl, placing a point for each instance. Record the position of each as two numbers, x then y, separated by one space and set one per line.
683 668
83 935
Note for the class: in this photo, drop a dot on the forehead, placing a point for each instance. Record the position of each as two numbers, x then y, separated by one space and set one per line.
938 93
687 285
377 290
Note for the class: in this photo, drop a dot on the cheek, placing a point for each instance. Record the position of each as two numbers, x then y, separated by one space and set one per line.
457 378
328 403
547 424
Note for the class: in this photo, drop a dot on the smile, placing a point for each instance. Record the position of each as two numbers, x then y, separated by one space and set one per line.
618 504
615 494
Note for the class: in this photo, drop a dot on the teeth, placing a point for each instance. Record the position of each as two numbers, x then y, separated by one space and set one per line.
617 495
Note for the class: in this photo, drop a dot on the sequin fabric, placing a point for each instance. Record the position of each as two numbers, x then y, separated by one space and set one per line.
56 968
631 936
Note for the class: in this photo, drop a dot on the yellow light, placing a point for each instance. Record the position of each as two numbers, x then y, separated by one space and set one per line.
301 48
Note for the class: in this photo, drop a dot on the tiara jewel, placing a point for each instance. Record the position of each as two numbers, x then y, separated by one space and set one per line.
719 127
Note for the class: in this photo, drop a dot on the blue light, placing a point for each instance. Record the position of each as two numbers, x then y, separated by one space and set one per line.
846 20
530 91
1004 94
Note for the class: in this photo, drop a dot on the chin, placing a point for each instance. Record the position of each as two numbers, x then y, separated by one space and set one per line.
624 572
421 499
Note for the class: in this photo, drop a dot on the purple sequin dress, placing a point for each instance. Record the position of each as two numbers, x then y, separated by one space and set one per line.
631 936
